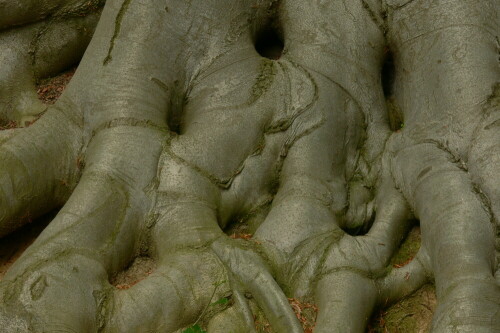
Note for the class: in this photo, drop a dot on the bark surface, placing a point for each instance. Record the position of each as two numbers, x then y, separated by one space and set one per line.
227 156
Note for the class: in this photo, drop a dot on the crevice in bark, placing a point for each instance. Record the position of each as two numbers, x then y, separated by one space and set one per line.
284 152
408 248
265 79
453 157
244 225
118 25
33 48
224 183
395 5
485 201
387 77
176 107
388 73
311 253
377 18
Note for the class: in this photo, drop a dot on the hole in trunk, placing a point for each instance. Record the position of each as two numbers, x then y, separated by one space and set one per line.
176 108
269 40
388 73
387 77
269 43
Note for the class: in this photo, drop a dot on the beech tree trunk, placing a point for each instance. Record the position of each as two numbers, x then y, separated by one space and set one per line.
313 132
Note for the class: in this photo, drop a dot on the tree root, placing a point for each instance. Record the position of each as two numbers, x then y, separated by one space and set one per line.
38 169
303 134
32 52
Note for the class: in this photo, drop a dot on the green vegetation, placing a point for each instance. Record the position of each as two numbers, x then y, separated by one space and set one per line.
196 328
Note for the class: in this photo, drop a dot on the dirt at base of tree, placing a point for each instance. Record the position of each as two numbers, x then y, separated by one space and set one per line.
410 315
138 270
50 89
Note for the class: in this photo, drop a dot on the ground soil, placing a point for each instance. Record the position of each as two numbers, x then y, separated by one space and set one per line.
49 89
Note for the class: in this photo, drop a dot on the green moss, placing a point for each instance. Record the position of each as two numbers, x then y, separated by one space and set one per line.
412 314
267 71
118 25
395 114
408 249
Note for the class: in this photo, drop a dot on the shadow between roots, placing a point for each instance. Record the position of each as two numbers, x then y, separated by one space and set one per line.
13 245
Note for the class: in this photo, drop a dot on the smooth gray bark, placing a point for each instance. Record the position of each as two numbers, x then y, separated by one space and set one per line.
53 37
174 128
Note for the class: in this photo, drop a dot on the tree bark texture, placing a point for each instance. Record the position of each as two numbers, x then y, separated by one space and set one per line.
186 122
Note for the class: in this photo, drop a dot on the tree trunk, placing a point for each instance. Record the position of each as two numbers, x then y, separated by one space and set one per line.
312 133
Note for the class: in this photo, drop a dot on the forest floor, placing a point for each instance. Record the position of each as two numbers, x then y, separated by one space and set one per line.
410 315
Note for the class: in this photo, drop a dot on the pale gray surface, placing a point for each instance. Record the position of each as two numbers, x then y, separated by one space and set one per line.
174 127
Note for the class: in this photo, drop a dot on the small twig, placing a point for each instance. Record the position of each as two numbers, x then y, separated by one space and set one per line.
217 285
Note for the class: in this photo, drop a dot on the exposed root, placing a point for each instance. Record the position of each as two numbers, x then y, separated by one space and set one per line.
118 24
403 281
28 11
101 147
183 290
32 170
252 272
